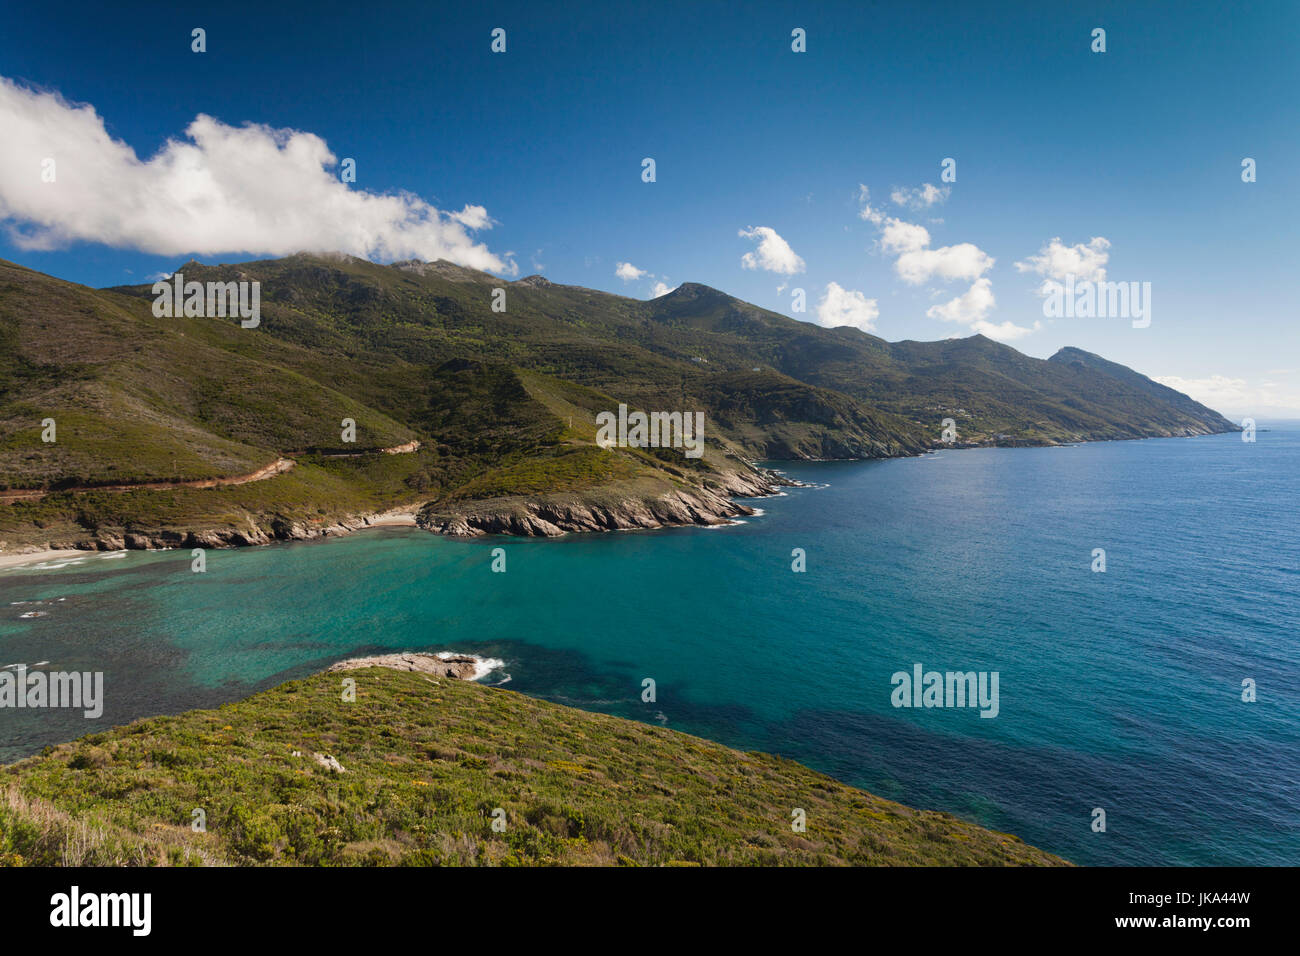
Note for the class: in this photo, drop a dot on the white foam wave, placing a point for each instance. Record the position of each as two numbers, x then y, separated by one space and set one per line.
482 665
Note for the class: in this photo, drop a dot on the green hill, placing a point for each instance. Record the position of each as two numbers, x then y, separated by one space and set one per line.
422 766
502 404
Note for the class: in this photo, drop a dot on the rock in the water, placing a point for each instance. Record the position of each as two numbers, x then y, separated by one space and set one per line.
458 667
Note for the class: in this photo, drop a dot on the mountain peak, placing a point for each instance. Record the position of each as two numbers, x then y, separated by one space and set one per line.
693 290
1071 353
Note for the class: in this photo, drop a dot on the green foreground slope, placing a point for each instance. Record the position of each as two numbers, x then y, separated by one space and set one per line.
425 763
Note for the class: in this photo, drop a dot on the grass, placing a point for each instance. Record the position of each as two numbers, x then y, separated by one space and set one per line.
311 493
556 470
426 763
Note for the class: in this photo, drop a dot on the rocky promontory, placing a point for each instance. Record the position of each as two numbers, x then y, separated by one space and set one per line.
612 509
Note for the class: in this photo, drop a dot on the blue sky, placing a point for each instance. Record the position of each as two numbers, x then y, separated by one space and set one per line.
537 154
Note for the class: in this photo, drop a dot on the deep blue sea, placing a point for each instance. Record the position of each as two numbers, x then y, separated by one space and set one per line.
1119 690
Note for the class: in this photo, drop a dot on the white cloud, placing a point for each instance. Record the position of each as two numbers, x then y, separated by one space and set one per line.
921 197
661 288
971 307
773 253
628 272
251 189
1005 331
472 217
839 306
864 202
1237 396
1055 261
962 261
918 263
897 236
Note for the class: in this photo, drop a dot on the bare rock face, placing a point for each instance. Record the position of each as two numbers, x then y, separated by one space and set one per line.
238 536
457 667
710 504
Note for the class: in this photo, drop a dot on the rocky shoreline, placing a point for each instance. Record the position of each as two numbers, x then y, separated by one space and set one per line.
555 515
546 516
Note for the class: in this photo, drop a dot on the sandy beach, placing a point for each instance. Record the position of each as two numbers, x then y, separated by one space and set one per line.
393 519
15 559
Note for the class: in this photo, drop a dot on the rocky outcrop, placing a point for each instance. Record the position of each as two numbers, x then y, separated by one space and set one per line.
709 503
328 762
239 536
554 515
459 667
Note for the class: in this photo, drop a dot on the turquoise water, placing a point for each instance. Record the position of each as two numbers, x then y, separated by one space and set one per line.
1119 690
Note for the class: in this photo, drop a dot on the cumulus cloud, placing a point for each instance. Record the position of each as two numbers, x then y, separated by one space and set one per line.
897 237
839 306
962 261
1085 261
920 198
251 189
472 217
917 263
773 253
628 272
661 288
972 309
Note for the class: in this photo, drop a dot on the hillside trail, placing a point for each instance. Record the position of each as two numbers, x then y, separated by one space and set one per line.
277 467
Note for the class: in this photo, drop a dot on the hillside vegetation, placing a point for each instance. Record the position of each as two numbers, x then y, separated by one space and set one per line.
414 772
503 404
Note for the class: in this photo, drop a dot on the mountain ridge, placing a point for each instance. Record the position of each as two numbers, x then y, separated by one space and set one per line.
503 403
